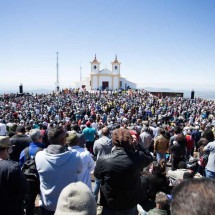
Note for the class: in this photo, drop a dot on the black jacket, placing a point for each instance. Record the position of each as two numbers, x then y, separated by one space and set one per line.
19 142
178 149
13 187
119 173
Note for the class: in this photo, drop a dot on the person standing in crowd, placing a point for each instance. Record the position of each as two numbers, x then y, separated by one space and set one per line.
207 137
34 186
3 128
120 174
161 144
82 141
178 151
87 160
210 167
89 134
189 144
176 131
13 185
196 134
145 137
19 141
102 146
57 168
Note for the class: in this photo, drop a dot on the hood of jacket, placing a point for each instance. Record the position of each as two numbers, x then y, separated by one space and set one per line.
55 155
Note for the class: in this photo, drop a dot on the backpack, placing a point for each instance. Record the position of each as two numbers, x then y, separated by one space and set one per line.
29 168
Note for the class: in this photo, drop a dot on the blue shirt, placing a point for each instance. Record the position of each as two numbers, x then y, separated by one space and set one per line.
89 133
33 148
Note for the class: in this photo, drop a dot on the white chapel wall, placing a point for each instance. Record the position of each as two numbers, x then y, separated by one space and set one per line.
115 82
94 82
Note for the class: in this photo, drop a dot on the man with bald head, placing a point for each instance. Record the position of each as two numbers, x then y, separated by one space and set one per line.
103 145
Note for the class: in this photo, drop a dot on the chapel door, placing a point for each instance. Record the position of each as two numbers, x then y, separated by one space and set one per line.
105 85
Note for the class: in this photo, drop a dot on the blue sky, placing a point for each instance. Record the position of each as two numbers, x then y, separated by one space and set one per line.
160 43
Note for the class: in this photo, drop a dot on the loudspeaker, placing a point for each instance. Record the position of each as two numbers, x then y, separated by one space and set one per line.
192 94
20 88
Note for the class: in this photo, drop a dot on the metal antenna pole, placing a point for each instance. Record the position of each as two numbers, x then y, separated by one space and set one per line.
57 67
80 73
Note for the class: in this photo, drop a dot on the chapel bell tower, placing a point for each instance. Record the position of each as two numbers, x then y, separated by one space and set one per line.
95 66
116 66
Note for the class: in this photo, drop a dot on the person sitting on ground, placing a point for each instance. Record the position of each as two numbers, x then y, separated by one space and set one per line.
162 206
156 181
193 197
178 174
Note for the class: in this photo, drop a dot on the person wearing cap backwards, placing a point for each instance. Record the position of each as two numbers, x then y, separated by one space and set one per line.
13 185
19 141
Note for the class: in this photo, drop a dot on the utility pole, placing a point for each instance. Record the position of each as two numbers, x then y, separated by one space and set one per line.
80 73
57 81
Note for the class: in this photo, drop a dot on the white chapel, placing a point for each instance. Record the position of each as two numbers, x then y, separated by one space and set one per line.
105 78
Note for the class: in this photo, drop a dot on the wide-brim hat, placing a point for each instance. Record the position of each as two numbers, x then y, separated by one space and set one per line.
5 142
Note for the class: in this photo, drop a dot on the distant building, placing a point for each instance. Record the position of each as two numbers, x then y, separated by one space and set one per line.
105 78
167 94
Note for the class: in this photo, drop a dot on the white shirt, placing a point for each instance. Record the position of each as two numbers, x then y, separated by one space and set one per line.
3 129
88 165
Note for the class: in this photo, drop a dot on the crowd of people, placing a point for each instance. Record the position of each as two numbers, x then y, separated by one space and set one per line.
143 153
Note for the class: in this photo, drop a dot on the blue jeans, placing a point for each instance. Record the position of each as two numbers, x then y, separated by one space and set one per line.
160 156
209 174
108 211
96 188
